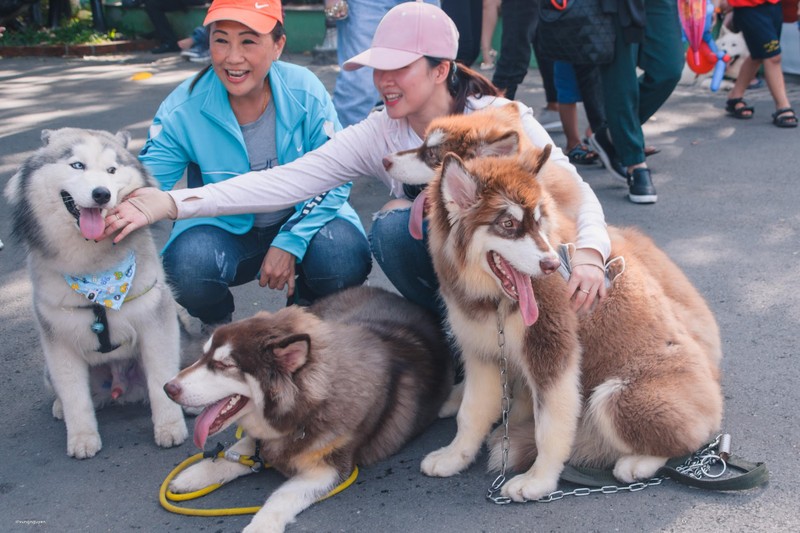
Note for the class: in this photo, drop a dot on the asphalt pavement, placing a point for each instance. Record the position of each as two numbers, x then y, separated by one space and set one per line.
727 213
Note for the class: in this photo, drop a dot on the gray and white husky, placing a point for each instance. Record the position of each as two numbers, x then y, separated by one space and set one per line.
106 317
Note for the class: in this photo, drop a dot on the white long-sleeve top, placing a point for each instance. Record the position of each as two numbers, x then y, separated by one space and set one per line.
357 152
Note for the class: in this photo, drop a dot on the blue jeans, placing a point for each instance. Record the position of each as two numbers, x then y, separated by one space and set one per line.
354 94
203 261
405 260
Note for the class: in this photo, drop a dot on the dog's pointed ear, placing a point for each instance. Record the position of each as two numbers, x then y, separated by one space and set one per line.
534 162
458 186
291 352
507 144
46 134
124 137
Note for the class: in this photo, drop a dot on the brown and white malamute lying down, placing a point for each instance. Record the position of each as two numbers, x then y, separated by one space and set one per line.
346 382
105 314
627 386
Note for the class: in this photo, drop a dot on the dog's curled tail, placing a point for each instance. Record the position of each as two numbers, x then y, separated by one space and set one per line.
522 447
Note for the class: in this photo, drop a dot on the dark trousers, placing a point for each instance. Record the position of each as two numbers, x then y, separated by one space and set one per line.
157 12
631 100
590 84
467 16
520 19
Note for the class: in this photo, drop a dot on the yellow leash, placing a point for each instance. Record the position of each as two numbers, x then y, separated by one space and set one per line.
165 496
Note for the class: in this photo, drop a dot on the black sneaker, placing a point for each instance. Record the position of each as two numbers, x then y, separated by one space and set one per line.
640 187
601 143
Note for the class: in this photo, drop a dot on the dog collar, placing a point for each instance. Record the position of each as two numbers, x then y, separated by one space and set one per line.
108 288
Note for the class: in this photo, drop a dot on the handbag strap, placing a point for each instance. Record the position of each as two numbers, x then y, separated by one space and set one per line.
560 5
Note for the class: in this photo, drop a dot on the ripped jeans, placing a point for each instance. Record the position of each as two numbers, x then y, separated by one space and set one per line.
203 261
405 260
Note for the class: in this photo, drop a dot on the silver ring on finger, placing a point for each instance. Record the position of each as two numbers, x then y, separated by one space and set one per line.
583 290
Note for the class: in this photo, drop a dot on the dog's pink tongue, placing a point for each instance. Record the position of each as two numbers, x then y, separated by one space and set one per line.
417 214
92 223
527 303
203 422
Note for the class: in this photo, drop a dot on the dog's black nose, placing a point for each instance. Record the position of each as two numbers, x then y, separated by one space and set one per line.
101 195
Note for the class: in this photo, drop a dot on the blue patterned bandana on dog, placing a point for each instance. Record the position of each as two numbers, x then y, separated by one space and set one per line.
107 288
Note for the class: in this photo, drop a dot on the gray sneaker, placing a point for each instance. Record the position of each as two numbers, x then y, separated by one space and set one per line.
202 58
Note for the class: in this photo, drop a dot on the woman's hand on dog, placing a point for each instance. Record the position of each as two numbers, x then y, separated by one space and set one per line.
587 281
277 270
140 208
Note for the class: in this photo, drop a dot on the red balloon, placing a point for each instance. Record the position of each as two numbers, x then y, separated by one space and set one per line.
707 59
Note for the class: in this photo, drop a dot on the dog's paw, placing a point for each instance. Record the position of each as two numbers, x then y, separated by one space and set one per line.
632 468
528 487
83 445
58 410
207 472
445 462
170 434
264 525
196 477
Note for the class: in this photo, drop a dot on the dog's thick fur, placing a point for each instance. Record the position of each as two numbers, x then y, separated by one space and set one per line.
627 386
347 381
78 174
490 132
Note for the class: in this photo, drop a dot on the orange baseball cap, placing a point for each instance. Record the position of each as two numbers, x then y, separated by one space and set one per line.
258 15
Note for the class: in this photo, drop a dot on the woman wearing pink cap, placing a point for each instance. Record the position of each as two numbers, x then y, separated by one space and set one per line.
412 55
249 111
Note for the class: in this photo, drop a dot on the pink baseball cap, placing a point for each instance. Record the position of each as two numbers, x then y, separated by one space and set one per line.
258 15
407 32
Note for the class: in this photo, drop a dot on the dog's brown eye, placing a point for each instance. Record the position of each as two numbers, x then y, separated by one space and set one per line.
77 165
111 170
508 223
219 365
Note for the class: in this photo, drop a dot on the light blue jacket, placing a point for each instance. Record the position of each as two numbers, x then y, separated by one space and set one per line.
197 131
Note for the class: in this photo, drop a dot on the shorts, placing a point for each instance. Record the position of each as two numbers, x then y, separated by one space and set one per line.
761 27
566 83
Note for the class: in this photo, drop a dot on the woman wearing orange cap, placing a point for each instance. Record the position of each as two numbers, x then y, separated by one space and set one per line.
248 111
412 54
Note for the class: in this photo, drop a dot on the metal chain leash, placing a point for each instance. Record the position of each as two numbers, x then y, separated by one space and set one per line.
493 493
701 463
698 465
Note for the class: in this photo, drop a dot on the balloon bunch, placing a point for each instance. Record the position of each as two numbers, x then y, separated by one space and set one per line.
702 56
